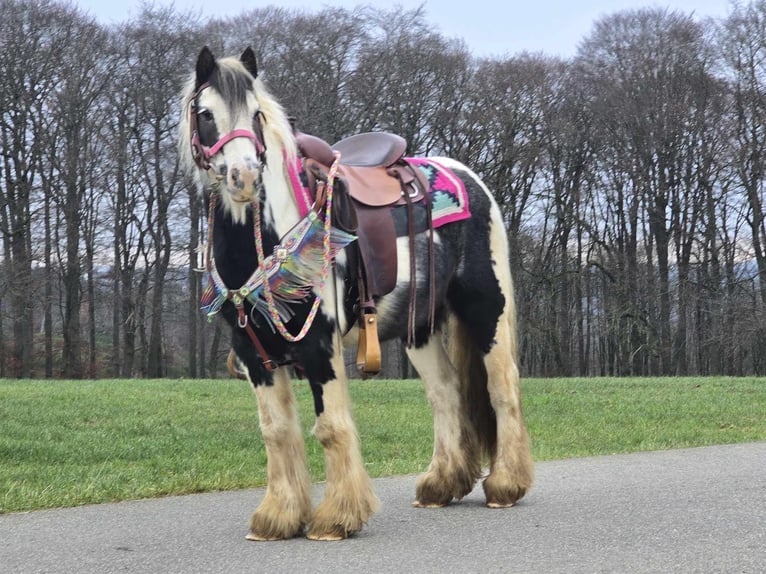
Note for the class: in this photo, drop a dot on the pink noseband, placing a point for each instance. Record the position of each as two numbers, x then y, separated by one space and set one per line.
211 151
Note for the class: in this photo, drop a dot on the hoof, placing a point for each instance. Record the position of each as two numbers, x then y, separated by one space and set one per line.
267 527
434 491
259 538
336 520
419 504
332 535
500 504
502 495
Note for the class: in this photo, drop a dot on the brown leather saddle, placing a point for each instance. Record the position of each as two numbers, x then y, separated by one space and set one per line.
377 178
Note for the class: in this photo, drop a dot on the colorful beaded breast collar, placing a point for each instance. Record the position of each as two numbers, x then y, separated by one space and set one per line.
298 265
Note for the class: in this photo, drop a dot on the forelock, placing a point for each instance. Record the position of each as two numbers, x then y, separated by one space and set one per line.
232 81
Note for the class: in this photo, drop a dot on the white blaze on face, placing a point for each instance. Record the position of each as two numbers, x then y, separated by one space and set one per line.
237 159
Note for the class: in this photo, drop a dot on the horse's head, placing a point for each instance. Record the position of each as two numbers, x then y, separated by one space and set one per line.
224 128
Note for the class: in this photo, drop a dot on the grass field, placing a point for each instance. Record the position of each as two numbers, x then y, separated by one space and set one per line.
66 443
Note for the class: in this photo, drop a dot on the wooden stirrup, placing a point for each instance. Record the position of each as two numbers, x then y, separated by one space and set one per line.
368 356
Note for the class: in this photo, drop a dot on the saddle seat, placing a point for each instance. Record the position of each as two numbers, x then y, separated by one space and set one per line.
371 149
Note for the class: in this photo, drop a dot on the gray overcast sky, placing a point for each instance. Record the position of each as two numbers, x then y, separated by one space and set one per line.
489 27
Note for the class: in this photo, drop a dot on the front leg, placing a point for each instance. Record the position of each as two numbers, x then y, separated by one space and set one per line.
286 508
349 500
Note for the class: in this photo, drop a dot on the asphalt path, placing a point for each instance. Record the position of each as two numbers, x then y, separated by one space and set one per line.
694 510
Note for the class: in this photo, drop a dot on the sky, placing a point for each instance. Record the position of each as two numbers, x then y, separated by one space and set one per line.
489 27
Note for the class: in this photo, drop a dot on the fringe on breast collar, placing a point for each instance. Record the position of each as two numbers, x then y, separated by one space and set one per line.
292 271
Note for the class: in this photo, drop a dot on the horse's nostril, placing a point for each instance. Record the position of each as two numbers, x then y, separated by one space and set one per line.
223 170
237 179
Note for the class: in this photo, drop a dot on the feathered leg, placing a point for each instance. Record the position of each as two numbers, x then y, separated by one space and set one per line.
286 508
349 500
455 465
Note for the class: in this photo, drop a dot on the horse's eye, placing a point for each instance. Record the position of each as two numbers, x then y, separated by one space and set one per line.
206 115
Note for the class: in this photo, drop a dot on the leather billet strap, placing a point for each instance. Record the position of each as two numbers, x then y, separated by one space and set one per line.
268 363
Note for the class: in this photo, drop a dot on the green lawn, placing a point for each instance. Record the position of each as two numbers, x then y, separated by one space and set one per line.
65 443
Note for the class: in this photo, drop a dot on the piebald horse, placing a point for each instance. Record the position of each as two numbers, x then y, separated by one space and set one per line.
237 142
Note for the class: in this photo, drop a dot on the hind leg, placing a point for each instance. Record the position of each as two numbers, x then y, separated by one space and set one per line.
511 467
455 464
286 507
348 499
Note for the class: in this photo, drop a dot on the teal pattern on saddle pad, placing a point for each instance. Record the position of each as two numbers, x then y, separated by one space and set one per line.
449 199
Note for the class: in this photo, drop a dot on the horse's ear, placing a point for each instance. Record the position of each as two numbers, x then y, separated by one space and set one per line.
248 60
205 66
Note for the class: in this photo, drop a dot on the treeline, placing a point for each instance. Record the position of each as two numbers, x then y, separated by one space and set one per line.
631 177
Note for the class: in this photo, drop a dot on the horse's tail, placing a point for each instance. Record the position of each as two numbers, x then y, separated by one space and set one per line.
510 316
469 363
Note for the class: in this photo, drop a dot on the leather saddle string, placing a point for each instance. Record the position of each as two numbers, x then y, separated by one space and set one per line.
418 182
431 262
411 323
413 272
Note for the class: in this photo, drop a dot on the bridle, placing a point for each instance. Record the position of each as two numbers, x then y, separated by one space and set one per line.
202 153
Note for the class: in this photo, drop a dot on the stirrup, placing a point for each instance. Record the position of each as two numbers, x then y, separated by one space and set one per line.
368 357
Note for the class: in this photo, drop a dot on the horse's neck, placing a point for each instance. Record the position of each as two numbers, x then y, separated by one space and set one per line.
280 207
234 244
233 248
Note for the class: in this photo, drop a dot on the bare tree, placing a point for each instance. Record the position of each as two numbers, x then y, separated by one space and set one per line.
650 71
74 110
406 79
630 178
30 39
569 151
743 45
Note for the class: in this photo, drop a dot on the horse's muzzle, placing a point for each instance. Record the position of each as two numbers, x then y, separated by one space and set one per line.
242 180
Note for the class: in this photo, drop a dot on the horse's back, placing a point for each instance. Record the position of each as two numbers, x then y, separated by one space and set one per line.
470 268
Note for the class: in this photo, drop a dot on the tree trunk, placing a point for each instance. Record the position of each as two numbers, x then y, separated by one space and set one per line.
212 365
661 240
129 325
194 285
48 300
72 287
91 286
21 306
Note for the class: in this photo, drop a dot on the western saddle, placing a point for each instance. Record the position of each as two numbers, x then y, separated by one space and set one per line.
377 178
